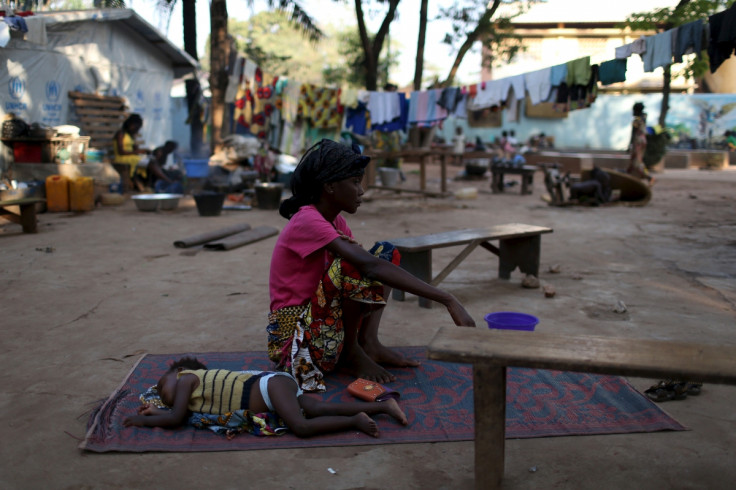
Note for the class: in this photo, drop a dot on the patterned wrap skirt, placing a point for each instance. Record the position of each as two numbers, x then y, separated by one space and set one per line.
307 340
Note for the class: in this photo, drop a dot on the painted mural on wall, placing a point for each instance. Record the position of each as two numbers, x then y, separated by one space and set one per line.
702 122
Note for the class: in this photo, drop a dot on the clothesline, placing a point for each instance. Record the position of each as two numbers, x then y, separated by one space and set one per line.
287 113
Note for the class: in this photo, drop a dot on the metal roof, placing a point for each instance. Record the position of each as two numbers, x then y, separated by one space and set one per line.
182 63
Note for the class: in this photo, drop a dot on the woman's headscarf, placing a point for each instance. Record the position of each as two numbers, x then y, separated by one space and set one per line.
325 162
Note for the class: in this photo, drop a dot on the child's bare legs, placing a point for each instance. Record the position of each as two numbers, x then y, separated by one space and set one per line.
314 407
282 391
368 339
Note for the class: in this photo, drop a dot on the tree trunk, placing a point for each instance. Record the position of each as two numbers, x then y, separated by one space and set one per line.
483 23
194 90
372 50
219 55
419 67
666 89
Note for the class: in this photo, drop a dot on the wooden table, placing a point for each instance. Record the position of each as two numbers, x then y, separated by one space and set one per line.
425 155
21 211
526 172
492 351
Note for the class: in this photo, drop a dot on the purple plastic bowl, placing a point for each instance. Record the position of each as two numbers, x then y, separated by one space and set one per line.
510 320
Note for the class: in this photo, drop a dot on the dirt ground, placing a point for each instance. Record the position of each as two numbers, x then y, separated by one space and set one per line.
91 292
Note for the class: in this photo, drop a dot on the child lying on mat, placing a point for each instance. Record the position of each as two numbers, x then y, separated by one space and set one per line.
188 386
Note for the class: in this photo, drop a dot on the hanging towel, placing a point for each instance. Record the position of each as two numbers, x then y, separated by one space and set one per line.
517 84
612 71
290 100
494 93
659 51
449 98
355 119
234 79
578 71
558 74
398 124
423 108
461 109
384 107
637 47
722 37
689 40
349 97
538 84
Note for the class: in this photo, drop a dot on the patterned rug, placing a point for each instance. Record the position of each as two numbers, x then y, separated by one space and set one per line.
437 398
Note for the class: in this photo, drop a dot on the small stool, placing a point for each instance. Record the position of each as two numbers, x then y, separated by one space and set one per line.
526 172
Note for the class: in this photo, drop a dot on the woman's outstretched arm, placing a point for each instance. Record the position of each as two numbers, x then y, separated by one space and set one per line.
396 277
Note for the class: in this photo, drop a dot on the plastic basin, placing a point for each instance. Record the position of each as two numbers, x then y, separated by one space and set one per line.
511 320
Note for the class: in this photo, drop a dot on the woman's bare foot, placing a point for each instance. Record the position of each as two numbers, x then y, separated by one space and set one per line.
387 357
357 364
366 424
391 407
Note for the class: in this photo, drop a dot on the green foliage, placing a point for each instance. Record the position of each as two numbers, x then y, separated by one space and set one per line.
272 41
477 19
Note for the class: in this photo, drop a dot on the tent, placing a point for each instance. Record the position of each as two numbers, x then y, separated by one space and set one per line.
103 51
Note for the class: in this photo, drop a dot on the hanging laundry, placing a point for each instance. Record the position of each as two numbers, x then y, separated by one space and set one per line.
263 102
356 120
492 94
320 106
461 109
384 107
578 71
449 98
637 47
397 124
423 108
689 40
349 97
659 51
290 100
538 84
517 89
558 74
722 37
234 79
613 71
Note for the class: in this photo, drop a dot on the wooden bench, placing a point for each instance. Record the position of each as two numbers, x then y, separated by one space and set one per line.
519 246
492 351
499 171
21 211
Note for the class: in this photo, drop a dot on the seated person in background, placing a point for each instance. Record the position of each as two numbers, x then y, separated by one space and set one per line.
155 176
125 148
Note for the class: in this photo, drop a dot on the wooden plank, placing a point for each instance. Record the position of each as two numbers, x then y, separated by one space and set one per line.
489 406
85 96
459 237
601 355
455 262
101 113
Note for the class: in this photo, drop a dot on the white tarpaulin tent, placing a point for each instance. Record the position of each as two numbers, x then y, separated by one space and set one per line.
106 51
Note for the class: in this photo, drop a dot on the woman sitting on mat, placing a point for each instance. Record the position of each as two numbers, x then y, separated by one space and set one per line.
188 386
327 292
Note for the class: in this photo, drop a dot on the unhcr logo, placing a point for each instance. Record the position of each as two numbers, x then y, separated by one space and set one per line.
52 91
16 88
